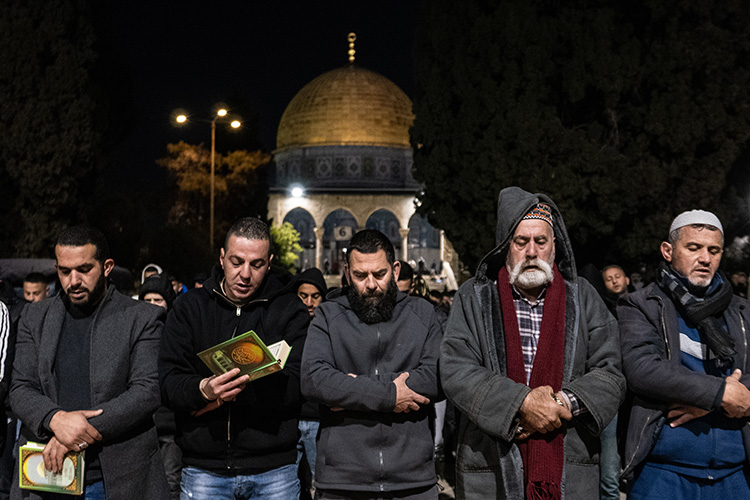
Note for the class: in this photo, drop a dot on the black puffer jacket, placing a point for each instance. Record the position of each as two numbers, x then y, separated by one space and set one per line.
258 431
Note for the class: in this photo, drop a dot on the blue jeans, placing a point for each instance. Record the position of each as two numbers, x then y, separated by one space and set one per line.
276 484
609 474
308 433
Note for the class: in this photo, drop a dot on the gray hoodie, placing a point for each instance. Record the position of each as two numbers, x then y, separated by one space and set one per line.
473 370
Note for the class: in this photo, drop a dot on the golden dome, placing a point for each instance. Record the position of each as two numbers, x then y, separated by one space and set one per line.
347 106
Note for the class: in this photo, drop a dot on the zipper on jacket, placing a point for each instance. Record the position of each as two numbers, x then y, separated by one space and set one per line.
377 359
664 328
229 436
635 453
744 341
382 486
382 437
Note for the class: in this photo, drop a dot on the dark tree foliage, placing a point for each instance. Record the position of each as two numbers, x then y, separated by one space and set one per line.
239 186
625 113
49 134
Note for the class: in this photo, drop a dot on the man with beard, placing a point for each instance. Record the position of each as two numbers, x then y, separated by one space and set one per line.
85 375
685 356
371 361
530 357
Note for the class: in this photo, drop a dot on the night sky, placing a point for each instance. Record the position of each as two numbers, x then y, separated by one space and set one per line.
192 55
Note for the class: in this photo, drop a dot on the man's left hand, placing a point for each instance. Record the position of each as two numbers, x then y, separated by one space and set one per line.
683 414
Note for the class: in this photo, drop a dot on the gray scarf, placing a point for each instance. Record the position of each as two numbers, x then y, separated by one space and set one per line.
704 312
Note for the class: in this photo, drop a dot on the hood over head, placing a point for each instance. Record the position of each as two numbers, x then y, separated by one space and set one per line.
158 283
513 203
314 277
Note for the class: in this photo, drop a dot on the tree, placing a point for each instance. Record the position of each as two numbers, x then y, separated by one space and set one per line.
239 186
285 246
49 128
625 113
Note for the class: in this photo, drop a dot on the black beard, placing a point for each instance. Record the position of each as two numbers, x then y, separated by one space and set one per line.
96 294
374 308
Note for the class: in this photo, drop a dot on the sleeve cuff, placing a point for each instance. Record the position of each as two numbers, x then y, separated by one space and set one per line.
719 397
577 408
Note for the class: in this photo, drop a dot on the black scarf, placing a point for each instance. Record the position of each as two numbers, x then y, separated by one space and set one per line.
704 312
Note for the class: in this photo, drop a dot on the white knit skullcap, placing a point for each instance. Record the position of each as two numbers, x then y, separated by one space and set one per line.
696 217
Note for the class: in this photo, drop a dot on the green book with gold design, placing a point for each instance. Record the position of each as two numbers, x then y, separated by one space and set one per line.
248 353
32 475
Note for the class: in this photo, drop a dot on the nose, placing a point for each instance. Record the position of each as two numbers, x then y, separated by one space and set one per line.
532 250
75 278
308 301
704 256
245 272
370 282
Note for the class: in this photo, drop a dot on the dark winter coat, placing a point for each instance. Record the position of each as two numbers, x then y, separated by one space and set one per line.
650 340
474 372
258 431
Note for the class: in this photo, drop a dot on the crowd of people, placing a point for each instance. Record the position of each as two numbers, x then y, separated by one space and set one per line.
533 381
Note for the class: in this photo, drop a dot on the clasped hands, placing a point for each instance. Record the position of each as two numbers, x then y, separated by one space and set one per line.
72 432
735 402
406 399
540 412
218 389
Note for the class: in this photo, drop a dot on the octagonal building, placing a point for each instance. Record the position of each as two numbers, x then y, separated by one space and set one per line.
343 162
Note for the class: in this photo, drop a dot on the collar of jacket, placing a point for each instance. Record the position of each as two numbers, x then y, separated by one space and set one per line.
276 282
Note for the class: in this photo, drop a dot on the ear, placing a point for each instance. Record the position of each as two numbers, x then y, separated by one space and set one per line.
221 257
666 251
109 264
396 270
627 281
270 258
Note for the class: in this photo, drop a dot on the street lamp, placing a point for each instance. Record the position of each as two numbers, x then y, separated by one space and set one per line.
220 113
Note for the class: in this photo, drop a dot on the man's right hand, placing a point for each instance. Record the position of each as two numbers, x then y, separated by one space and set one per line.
224 387
72 428
736 399
406 399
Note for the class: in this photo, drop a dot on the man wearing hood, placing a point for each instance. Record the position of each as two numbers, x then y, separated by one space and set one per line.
371 361
530 357
238 439
685 356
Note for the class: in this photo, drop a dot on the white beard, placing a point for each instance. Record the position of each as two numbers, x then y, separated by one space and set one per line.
531 279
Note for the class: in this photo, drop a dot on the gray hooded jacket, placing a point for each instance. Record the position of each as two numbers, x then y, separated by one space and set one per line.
474 377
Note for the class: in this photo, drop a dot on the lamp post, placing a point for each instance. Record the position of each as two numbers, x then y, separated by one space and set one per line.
220 113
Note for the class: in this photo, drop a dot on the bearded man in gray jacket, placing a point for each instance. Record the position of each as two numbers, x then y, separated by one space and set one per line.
371 361
531 358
